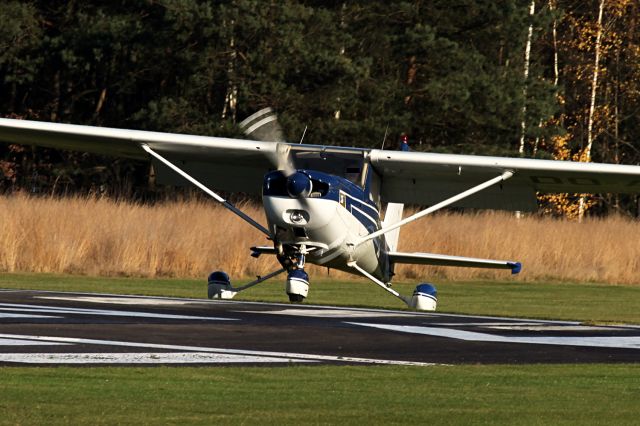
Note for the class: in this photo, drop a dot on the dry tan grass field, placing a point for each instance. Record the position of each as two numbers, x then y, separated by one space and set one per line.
190 239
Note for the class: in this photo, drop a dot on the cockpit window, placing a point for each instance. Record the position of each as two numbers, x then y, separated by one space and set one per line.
348 166
318 189
353 174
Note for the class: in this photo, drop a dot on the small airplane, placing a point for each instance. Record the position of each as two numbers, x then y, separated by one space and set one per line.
338 207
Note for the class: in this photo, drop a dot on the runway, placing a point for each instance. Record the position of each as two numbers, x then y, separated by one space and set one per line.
44 328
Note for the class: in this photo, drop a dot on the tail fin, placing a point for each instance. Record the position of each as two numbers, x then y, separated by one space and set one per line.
392 215
393 212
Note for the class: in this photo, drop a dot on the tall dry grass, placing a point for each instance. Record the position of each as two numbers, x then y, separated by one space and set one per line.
598 250
190 239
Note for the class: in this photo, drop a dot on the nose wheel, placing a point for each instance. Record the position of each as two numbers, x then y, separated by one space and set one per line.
297 284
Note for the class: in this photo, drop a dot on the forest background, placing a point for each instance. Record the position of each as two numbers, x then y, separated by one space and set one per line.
536 78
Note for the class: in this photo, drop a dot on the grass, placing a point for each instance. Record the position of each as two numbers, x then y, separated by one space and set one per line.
101 237
594 303
456 395
472 394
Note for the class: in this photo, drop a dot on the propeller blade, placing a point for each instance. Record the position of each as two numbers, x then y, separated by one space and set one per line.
263 126
284 160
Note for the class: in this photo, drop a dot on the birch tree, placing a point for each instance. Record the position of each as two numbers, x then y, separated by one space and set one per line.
527 58
231 96
586 156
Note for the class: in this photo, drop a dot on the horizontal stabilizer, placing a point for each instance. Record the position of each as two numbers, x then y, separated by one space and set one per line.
444 260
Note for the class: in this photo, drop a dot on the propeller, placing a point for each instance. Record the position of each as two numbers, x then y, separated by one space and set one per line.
264 126
298 183
284 160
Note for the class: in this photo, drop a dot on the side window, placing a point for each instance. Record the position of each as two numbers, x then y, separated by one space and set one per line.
354 175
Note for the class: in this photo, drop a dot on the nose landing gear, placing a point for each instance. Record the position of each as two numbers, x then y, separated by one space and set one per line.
297 284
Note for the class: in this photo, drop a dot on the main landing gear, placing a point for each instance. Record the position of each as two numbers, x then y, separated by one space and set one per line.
296 284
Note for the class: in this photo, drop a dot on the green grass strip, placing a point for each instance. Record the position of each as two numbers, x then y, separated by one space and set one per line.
493 394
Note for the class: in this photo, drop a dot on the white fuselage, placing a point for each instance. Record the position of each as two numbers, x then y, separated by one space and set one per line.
326 227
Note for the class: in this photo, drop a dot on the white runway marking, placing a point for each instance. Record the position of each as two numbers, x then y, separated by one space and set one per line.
141 358
484 324
182 348
120 300
527 326
550 327
25 342
81 311
24 316
624 342
330 313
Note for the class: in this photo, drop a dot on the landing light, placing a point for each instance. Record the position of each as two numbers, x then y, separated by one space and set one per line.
296 217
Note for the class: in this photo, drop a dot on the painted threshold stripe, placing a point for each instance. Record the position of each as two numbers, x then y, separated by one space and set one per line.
104 312
292 356
141 358
119 300
4 315
622 342
328 313
23 342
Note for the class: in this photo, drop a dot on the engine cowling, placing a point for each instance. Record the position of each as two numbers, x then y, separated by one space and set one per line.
425 297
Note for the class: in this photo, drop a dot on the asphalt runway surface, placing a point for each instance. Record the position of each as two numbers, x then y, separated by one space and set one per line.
44 328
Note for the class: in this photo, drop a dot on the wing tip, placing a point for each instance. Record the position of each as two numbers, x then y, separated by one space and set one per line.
516 267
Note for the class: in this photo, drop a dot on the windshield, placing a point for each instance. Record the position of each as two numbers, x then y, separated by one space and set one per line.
348 166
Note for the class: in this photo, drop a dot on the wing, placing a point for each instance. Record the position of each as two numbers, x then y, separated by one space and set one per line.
444 260
227 164
425 178
238 165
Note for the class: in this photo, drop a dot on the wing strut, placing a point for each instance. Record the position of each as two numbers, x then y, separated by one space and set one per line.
217 197
504 176
385 287
230 292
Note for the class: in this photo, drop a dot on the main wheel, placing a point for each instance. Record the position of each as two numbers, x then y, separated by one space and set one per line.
218 284
296 298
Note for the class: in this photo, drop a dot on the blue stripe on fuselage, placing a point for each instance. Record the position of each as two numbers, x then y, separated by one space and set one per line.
368 218
330 187
356 199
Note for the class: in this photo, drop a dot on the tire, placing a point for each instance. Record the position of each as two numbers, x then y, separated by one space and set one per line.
296 298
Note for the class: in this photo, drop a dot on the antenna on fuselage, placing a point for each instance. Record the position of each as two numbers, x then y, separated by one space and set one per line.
385 135
303 133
